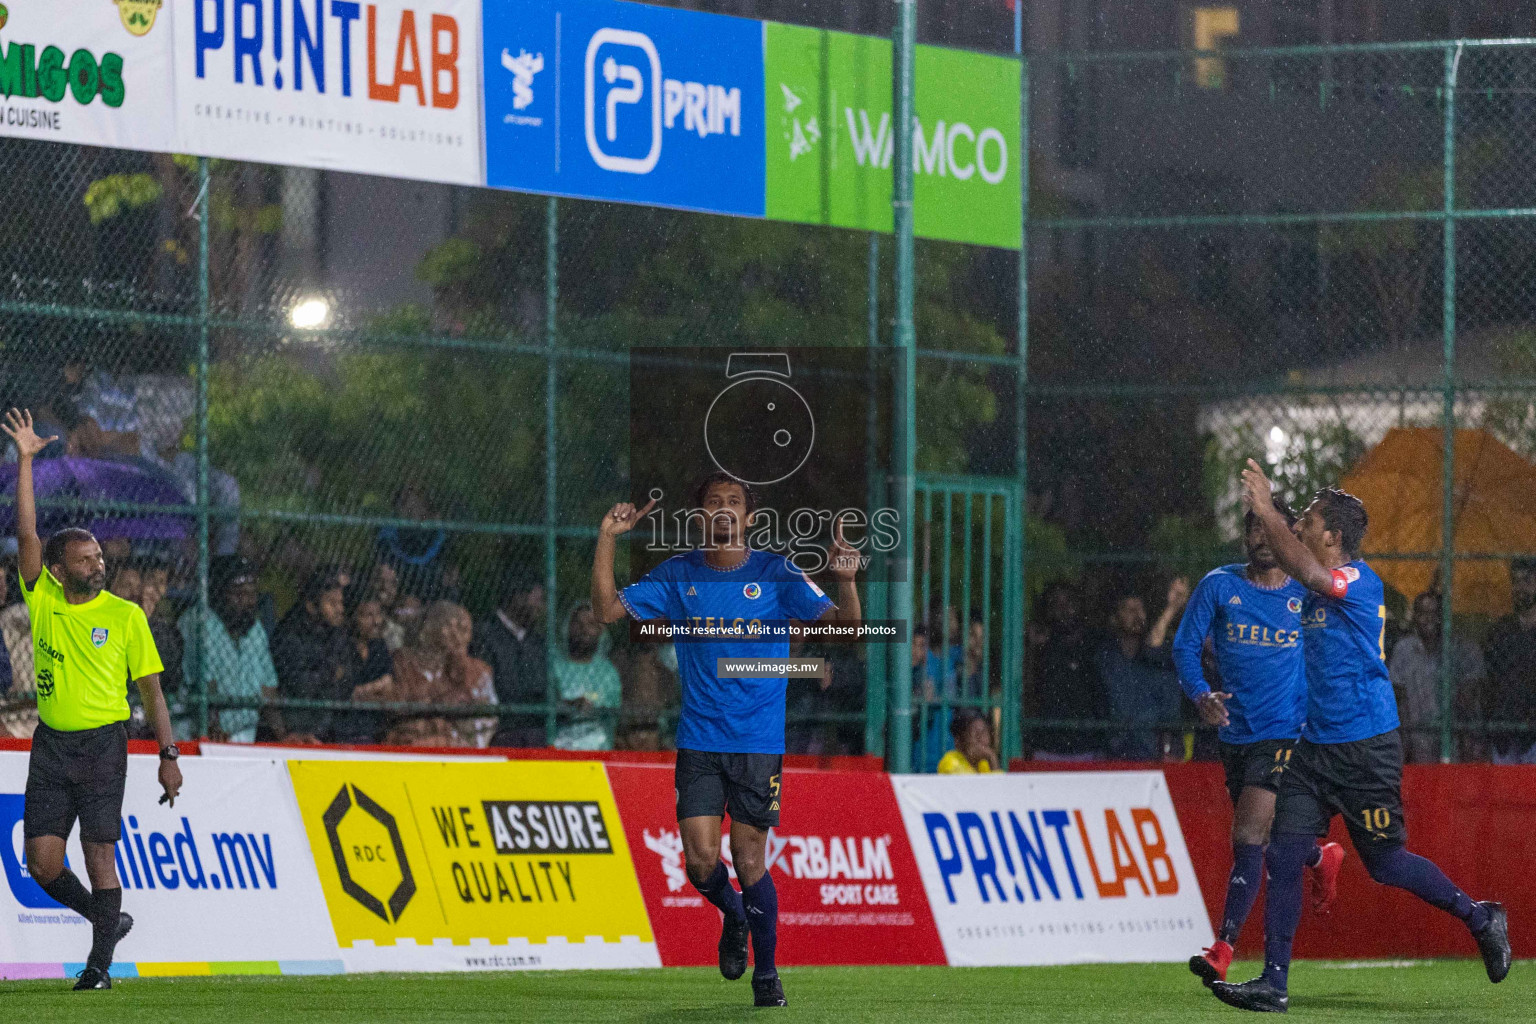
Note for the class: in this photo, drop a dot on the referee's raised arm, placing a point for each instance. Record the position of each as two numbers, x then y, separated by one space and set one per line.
29 547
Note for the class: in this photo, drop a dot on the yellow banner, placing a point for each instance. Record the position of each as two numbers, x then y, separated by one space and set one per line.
426 852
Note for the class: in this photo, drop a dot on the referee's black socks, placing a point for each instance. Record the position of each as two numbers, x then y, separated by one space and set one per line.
67 890
106 911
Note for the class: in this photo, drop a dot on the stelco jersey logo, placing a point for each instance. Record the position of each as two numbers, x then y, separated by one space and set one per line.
369 853
138 15
291 48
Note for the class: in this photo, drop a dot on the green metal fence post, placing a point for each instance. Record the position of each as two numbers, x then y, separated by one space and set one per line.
551 510
1013 703
904 405
1448 337
200 429
876 656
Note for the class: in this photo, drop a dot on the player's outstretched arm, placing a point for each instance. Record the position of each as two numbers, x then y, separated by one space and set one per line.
159 716
1291 554
843 562
605 593
29 547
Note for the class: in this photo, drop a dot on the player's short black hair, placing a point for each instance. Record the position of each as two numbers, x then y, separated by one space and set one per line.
59 542
701 489
1280 506
1344 513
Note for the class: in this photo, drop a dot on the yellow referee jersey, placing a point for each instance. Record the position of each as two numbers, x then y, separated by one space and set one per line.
84 655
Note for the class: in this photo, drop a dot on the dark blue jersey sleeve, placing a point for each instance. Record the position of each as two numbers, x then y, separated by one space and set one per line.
1190 639
799 598
650 597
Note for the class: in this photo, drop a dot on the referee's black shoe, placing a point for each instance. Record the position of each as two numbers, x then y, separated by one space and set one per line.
768 991
92 977
1257 995
733 948
1493 942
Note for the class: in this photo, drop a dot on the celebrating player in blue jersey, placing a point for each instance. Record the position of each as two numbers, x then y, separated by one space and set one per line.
730 737
1252 616
1349 759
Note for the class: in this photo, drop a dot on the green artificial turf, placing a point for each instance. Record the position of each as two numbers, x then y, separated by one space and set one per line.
1429 991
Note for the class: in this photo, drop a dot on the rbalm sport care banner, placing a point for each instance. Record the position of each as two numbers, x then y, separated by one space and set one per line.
221 883
452 867
96 73
849 890
388 87
1053 868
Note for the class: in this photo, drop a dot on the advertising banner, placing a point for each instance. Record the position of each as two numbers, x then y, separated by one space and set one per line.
849 889
1052 868
831 138
97 73
388 87
452 866
610 100
222 883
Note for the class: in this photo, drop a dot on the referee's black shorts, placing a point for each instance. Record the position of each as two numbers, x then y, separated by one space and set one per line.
747 785
77 775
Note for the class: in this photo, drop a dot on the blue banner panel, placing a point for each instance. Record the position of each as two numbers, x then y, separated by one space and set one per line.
608 100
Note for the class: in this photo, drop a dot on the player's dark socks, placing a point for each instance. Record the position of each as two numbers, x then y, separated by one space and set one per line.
719 891
67 890
1422 877
762 903
1286 859
1242 889
106 918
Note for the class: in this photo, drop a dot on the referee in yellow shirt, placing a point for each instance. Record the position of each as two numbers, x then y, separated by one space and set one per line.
87 644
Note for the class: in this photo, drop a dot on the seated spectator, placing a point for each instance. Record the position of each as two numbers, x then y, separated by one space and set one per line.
19 720
162 404
311 654
418 555
587 682
437 669
384 588
974 750
368 661
946 649
511 641
1415 670
976 684
156 581
650 688
1064 671
1510 694
234 644
406 621
1136 665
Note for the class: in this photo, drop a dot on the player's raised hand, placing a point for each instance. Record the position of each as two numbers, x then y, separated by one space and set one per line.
1257 491
18 427
842 558
623 517
1213 708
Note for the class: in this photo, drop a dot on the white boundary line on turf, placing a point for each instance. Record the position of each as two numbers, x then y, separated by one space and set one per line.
1356 965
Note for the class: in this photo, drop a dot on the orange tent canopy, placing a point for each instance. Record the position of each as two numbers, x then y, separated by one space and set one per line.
1494 511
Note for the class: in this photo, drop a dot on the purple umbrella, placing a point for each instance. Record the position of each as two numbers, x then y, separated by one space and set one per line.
100 480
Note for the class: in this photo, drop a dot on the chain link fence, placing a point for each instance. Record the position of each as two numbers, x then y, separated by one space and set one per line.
422 392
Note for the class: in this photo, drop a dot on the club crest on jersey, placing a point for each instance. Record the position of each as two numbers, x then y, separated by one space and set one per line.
752 591
99 636
1293 606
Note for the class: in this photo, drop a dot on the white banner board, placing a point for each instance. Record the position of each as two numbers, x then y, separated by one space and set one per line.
224 882
92 73
388 87
1054 868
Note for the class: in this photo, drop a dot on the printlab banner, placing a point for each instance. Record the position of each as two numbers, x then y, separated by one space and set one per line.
1051 868
95 73
388 87
624 101
849 889
221 883
447 866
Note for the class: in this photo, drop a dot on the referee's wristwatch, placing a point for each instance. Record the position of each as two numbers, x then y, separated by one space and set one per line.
170 752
